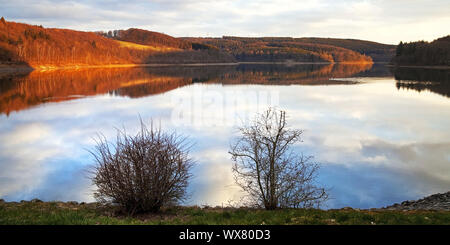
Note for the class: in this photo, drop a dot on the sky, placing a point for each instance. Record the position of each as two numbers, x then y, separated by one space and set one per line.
386 21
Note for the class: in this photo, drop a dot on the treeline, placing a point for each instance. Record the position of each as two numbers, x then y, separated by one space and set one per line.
278 49
152 38
37 46
190 56
377 51
424 53
145 37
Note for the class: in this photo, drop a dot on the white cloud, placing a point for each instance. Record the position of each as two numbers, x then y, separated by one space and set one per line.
377 20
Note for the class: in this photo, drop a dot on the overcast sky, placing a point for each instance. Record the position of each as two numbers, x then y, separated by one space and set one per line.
387 21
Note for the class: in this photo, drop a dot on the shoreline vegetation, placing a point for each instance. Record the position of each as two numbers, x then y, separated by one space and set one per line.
47 48
16 67
423 54
37 212
437 67
24 46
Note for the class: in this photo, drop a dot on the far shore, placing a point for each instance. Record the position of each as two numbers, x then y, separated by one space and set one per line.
27 68
420 66
16 67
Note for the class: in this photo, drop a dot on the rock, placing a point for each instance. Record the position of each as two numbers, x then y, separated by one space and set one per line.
438 202
35 200
72 202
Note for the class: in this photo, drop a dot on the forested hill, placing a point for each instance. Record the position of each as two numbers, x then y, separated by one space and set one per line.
301 49
37 46
379 52
145 37
41 47
436 53
276 49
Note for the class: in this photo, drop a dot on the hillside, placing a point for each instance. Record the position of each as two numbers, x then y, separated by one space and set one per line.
436 53
377 51
37 47
145 37
41 47
300 49
178 50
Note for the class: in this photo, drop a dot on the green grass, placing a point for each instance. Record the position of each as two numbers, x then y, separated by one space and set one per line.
58 213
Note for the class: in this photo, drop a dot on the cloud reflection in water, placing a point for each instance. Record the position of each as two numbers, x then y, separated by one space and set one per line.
377 144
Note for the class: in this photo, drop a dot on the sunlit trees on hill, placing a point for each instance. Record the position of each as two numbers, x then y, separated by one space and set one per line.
38 46
35 45
280 49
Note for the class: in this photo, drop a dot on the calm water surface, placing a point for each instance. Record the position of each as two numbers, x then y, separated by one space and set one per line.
380 136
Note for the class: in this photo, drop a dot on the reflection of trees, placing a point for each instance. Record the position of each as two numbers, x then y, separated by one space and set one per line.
298 74
18 92
377 70
39 87
434 80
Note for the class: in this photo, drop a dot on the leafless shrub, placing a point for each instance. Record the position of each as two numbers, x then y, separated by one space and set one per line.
268 169
142 172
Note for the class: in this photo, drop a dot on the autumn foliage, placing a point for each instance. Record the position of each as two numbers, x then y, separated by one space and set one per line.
37 46
280 49
40 47
145 37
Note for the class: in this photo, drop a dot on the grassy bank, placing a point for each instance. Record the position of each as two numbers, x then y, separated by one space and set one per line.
59 213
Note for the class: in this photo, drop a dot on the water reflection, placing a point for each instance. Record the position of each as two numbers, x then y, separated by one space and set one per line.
420 79
18 92
374 148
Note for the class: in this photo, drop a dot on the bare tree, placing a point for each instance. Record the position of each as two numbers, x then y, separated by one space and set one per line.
267 168
142 172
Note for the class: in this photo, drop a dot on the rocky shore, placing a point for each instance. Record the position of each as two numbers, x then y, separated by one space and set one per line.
438 202
435 202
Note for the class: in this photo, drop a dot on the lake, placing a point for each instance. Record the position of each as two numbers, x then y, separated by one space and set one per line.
381 136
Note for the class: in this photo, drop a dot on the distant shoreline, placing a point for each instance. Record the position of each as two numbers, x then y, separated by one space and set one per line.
26 68
420 66
15 67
